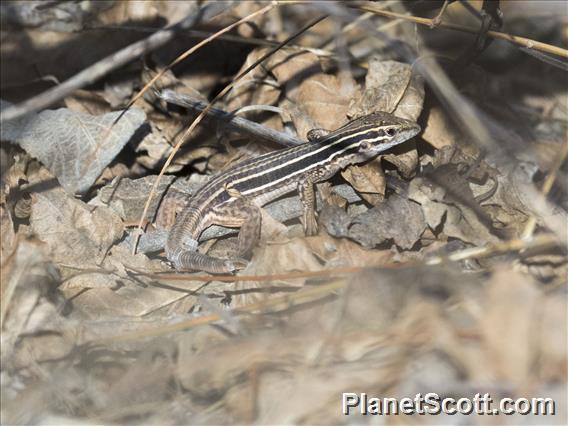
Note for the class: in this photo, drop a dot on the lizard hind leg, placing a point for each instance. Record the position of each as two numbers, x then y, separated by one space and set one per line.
181 246
182 250
246 215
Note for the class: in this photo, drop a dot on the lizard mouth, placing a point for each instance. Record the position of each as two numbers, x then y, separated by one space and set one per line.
411 132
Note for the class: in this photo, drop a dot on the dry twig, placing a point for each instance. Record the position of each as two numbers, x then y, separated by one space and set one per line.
521 41
111 62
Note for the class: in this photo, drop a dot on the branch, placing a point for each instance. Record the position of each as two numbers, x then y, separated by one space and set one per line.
116 60
230 121
522 41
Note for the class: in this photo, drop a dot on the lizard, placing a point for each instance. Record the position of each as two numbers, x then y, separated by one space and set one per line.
234 197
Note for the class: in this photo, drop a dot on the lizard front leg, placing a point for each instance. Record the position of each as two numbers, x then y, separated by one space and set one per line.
316 134
308 199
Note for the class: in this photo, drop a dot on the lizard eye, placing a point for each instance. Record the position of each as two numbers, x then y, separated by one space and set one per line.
365 146
390 131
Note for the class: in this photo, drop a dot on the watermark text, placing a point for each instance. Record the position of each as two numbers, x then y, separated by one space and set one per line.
432 403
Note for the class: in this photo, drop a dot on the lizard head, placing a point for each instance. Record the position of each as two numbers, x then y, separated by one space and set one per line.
381 131
368 136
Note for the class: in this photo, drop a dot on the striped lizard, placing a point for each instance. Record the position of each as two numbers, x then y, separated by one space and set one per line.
233 198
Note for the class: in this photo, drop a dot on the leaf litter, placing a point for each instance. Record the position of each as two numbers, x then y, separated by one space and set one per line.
92 333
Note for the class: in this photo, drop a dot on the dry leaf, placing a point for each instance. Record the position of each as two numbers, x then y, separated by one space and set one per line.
58 17
7 234
75 147
454 220
396 219
77 235
341 252
439 130
27 278
291 255
86 102
323 97
252 89
127 197
508 326
385 84
369 181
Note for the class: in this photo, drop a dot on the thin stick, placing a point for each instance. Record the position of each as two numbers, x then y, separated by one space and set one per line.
204 112
227 37
309 294
522 41
541 242
231 121
272 277
193 49
104 66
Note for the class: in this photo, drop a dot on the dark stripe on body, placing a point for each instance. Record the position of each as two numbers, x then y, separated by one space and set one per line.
269 167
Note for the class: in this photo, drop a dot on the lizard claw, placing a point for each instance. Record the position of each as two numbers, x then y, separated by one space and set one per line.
310 224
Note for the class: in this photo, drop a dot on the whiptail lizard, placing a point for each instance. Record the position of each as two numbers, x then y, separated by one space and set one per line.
234 197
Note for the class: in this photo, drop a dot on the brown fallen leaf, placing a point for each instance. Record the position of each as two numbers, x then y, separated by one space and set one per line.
275 257
7 234
453 219
127 197
397 219
439 130
78 235
369 181
87 102
323 97
28 280
385 85
342 252
253 89
507 326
